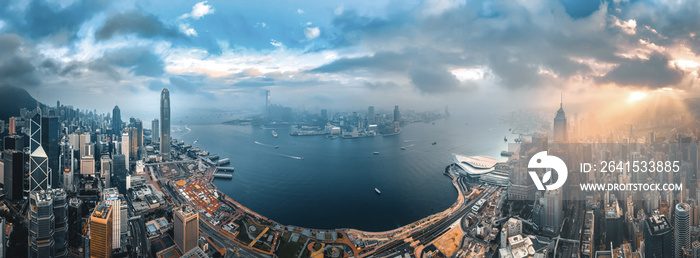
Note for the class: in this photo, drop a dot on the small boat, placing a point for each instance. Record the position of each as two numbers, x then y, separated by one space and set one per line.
377 191
433 123
375 153
434 143
274 134
302 157
277 147
505 139
403 148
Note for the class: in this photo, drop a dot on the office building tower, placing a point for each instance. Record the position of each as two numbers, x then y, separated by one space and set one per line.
85 140
106 169
186 228
13 176
111 196
75 222
101 231
682 232
12 126
139 133
49 141
165 123
119 173
514 227
13 142
116 121
87 166
613 223
67 165
133 143
370 114
74 140
41 223
3 238
397 115
34 132
60 211
267 104
155 133
196 252
126 148
552 208
560 131
658 237
39 171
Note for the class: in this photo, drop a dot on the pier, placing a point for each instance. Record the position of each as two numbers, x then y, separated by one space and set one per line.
224 169
223 176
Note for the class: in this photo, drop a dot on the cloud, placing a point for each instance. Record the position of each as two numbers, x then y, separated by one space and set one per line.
433 80
198 11
654 72
185 28
135 22
312 32
276 43
255 82
180 84
15 63
137 60
300 11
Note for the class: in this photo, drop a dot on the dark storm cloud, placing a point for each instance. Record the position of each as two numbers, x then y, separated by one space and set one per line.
141 61
41 19
654 72
16 68
434 80
135 22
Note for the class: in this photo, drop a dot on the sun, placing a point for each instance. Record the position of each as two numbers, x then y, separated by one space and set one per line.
636 96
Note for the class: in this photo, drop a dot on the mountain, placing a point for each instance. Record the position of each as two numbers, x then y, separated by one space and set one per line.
12 99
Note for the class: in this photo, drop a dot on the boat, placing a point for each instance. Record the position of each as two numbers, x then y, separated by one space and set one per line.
375 153
434 143
377 191
302 157
277 147
403 148
274 134
505 139
507 153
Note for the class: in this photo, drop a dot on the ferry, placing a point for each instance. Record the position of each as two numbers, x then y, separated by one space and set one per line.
375 153
274 134
434 143
377 191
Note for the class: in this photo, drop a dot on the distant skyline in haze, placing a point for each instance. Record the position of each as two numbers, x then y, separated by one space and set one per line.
347 54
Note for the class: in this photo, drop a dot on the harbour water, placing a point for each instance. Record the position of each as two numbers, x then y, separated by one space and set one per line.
314 182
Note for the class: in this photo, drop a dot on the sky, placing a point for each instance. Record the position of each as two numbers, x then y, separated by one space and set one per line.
94 54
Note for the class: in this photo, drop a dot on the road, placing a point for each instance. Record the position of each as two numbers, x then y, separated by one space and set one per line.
433 231
225 242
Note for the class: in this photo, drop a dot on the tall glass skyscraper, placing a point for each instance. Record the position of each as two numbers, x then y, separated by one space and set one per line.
49 141
165 123
116 121
682 233
560 125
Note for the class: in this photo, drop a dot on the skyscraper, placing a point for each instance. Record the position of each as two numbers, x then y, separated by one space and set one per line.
34 132
12 126
125 148
39 170
60 212
165 123
560 133
106 169
75 220
13 142
155 133
101 231
111 196
49 141
370 114
41 225
133 143
13 174
186 228
116 121
658 237
397 115
139 133
682 232
119 173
